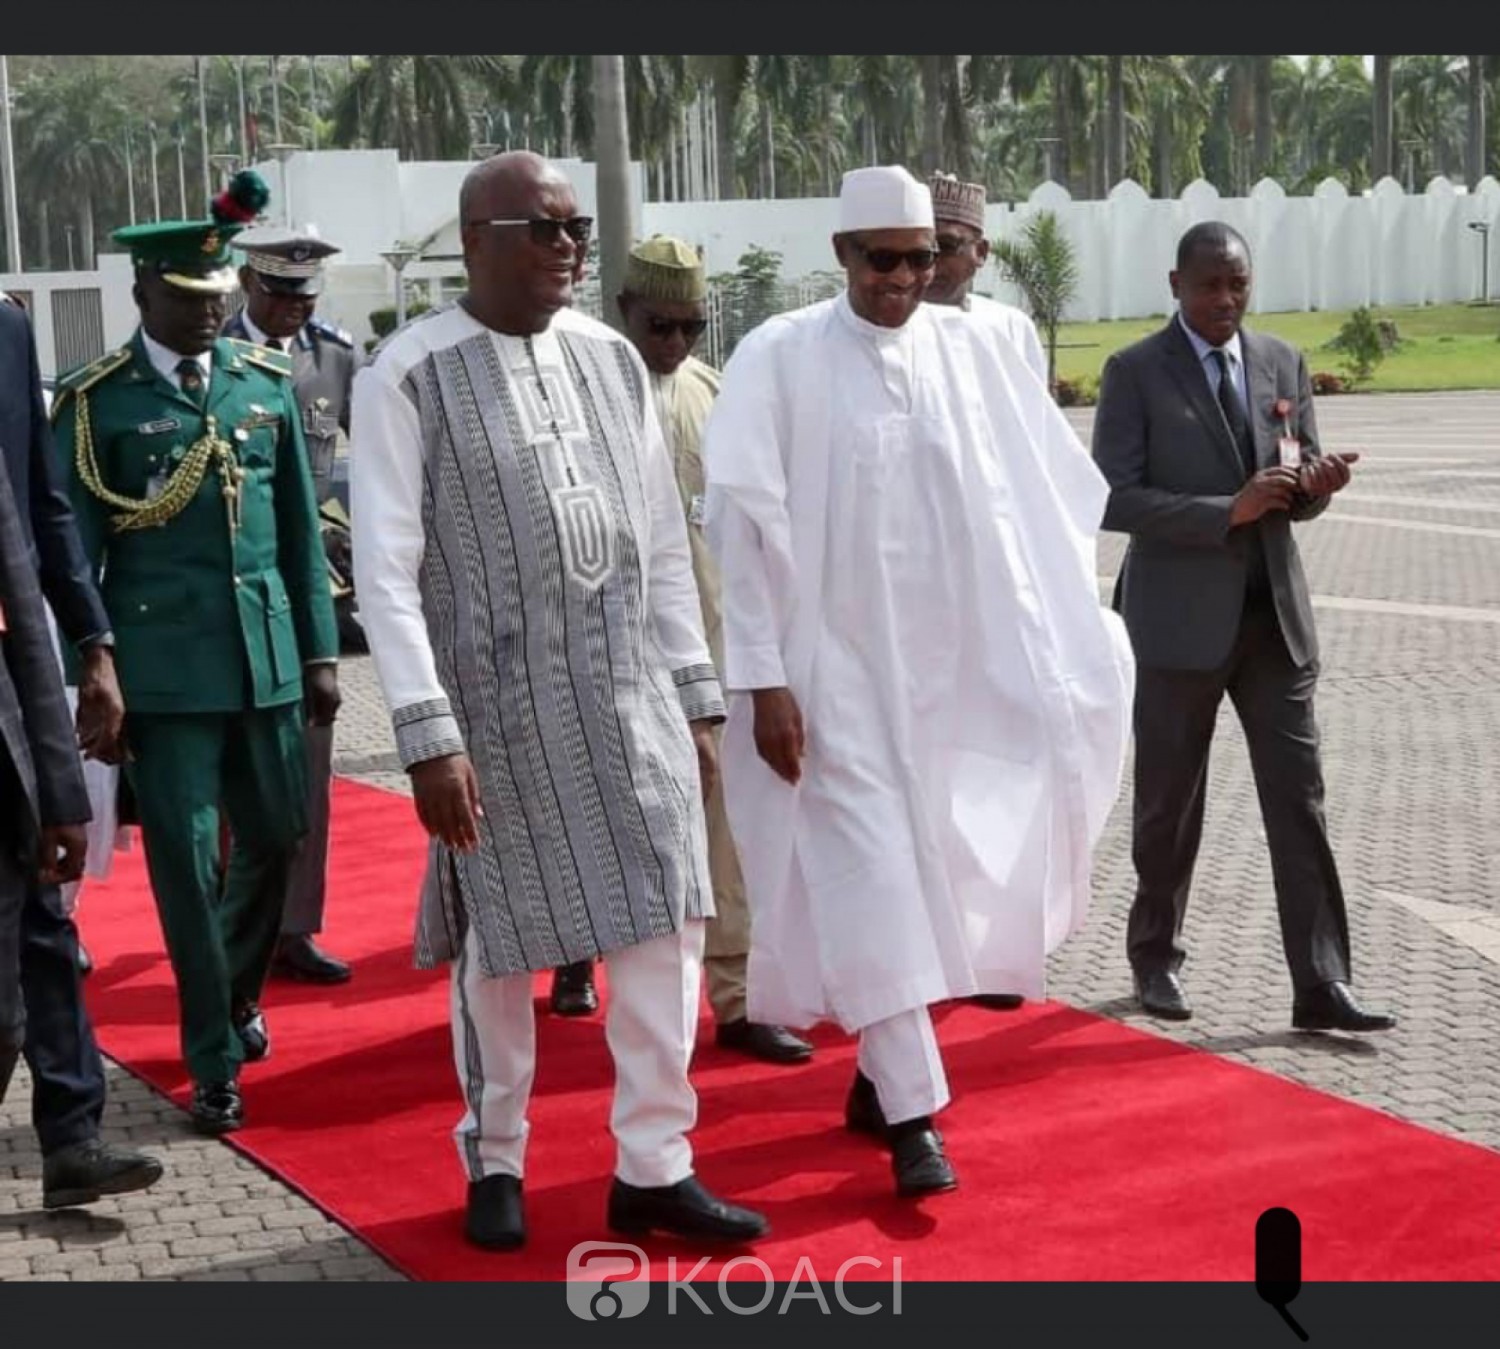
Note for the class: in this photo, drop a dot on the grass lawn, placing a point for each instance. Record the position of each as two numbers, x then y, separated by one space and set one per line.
1449 346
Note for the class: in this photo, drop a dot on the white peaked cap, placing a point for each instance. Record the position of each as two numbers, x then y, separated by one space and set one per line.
883 198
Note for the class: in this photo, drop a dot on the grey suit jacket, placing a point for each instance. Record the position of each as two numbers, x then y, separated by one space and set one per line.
1161 441
324 363
36 731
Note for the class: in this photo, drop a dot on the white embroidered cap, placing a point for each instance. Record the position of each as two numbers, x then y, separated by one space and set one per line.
883 198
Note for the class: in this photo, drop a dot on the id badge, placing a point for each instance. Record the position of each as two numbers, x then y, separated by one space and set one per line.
1290 450
695 512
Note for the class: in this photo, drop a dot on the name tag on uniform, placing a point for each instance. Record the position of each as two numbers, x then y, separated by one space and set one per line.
695 511
157 427
259 417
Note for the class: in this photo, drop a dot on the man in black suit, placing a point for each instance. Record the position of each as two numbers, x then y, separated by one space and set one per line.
1207 436
44 557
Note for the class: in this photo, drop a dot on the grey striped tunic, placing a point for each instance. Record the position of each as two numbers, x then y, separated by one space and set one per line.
525 579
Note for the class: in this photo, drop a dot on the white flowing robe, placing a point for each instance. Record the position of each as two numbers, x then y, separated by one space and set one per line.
1017 327
906 531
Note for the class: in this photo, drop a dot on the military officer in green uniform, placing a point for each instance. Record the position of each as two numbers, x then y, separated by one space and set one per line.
281 278
184 457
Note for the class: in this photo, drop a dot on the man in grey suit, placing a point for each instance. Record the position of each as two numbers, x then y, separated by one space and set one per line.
1207 436
282 279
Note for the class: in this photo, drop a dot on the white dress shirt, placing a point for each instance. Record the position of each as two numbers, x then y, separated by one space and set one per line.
1231 349
165 361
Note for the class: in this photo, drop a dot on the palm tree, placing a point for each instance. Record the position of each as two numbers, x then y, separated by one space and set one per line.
1429 106
1382 158
1475 147
1043 265
728 77
612 152
656 88
1262 74
69 143
880 96
418 105
1168 108
1114 142
931 70
1327 125
562 102
1066 81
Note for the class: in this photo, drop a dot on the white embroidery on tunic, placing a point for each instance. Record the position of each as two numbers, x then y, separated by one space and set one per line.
554 427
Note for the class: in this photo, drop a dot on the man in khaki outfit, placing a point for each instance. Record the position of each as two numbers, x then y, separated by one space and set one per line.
663 305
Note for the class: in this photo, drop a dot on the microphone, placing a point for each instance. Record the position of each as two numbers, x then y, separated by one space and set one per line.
1278 1262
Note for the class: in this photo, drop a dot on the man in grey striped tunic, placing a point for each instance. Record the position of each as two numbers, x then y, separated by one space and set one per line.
525 580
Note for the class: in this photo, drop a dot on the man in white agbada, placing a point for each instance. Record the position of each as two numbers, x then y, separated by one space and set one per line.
929 705
523 570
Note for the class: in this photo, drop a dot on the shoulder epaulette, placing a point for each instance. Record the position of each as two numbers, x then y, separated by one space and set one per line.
85 377
277 362
340 335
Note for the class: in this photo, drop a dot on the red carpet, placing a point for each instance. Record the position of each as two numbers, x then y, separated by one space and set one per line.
1086 1150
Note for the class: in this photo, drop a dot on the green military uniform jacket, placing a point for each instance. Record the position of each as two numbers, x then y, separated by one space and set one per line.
206 618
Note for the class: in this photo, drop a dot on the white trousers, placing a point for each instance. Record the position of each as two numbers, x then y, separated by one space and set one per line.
650 1023
900 1056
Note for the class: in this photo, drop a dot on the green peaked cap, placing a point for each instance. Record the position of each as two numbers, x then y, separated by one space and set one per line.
194 254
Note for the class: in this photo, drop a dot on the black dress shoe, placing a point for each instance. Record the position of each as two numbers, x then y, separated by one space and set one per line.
302 959
997 1002
573 992
918 1160
1332 1007
83 1173
862 1112
255 1035
217 1108
774 1044
85 961
495 1219
1160 994
685 1209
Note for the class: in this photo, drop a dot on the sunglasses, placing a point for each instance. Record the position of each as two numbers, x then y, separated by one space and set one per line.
689 328
888 259
949 244
546 230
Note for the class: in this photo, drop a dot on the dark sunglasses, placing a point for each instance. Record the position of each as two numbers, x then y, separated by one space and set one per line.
547 229
888 259
949 244
689 328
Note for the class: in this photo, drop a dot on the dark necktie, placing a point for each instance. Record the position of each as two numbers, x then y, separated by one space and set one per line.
191 375
1234 413
1257 582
